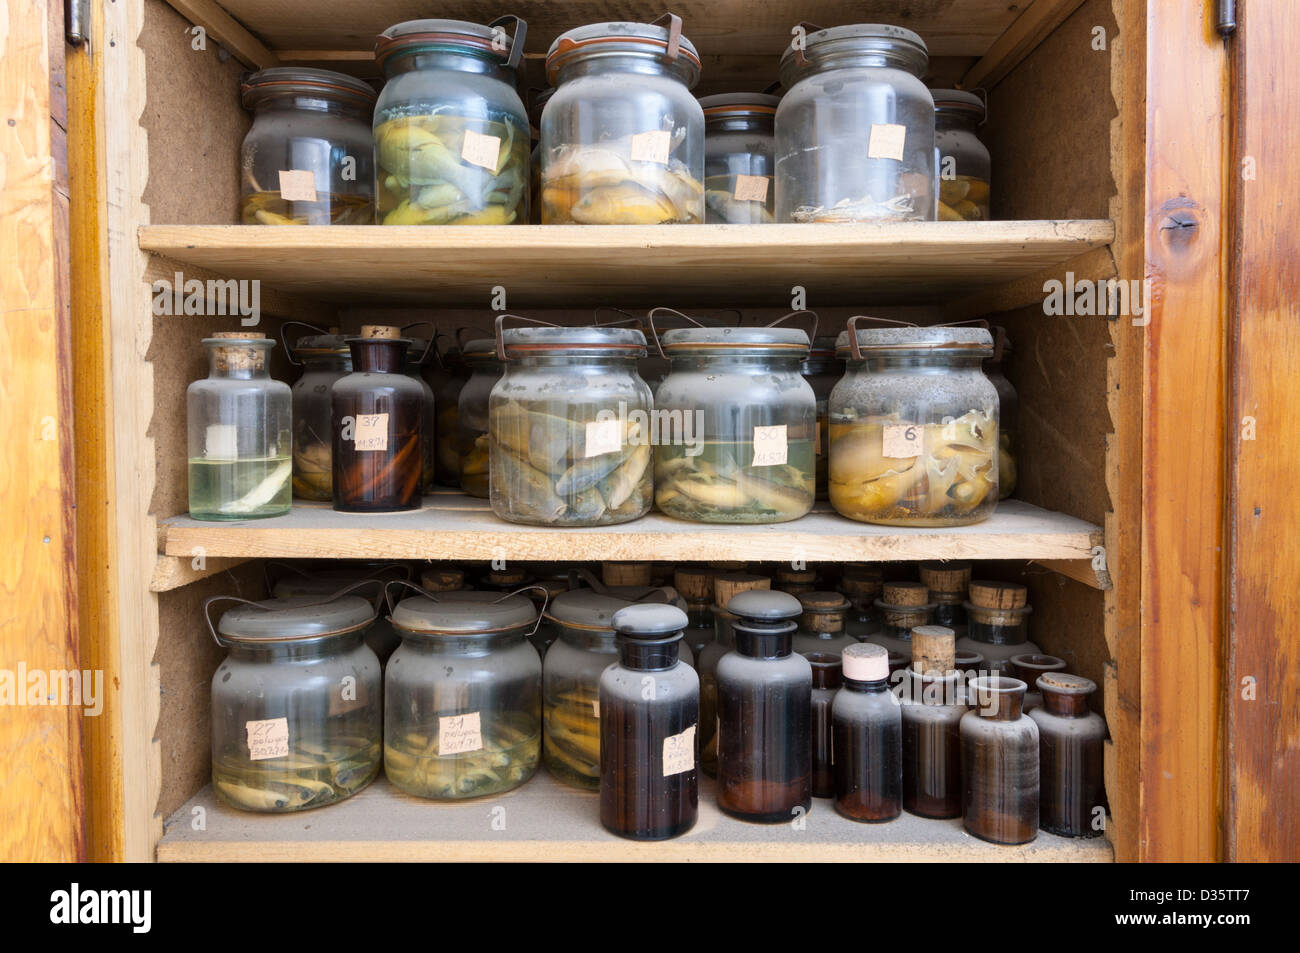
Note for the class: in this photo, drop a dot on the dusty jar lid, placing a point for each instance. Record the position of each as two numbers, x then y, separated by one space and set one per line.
295 618
258 87
895 43
688 340
958 101
917 339
730 105
521 342
321 345
464 612
589 609
765 605
662 43
452 36
649 621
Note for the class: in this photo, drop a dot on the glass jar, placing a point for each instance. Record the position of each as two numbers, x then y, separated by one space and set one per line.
823 370
764 713
570 427
1028 668
417 356
448 381
933 696
999 763
867 732
462 711
378 426
240 433
649 720
738 142
1071 742
296 703
322 583
324 358
748 420
1009 403
450 131
307 158
855 131
485 369
914 427
821 626
584 647
622 136
826 681
964 166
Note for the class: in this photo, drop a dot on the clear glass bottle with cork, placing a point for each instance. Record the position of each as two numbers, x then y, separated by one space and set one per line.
821 626
240 433
999 763
649 719
1071 741
764 713
997 617
725 586
1027 668
948 584
934 701
867 733
378 424
902 607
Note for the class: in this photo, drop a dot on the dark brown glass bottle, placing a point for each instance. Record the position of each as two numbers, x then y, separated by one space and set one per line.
934 701
649 721
867 728
826 682
764 712
1028 668
378 424
999 763
1071 739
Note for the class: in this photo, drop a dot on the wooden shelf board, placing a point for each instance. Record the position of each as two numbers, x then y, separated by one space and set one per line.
580 266
545 821
453 526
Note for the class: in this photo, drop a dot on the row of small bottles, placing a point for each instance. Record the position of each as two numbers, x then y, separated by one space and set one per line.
620 141
460 693
566 432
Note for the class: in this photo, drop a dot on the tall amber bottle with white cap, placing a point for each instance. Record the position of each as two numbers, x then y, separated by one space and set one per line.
867 737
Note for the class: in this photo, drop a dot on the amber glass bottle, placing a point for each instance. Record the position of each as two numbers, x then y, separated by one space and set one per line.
378 424
1070 750
867 732
826 669
649 716
999 763
934 701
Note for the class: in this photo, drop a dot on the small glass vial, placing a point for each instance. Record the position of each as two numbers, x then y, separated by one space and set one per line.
997 623
867 733
934 701
826 669
649 716
1027 668
764 713
378 427
1070 748
999 763
240 433
948 584
903 607
821 627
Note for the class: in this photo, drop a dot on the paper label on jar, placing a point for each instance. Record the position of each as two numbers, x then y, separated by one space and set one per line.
595 707
679 752
902 441
268 738
297 185
459 733
769 446
886 141
371 432
221 442
750 188
481 150
603 436
652 146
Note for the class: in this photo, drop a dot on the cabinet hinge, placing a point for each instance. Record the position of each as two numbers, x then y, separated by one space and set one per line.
77 21
1226 17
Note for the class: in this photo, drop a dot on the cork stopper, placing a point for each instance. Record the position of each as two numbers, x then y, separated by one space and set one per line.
822 611
625 573
797 577
946 577
906 594
865 662
236 358
442 580
727 585
695 585
506 577
998 595
384 331
933 648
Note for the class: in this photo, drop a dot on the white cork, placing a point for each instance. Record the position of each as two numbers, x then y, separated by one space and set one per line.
865 662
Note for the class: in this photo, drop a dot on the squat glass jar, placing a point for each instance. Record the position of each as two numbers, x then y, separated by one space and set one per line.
622 138
738 142
964 164
307 159
914 427
744 453
855 131
450 133
462 693
324 358
240 433
570 427
296 704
